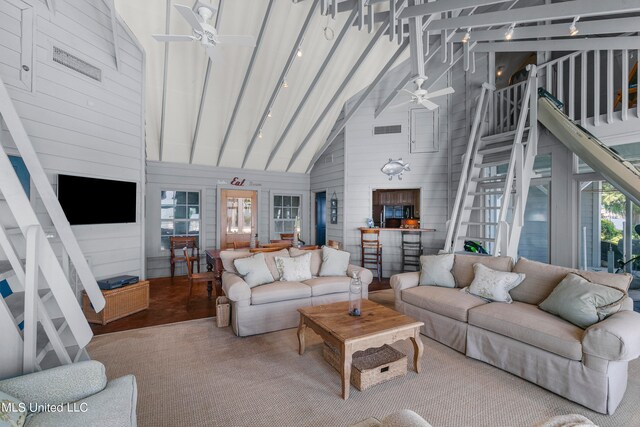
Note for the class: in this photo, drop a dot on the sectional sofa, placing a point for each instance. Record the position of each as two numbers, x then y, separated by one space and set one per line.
273 306
586 366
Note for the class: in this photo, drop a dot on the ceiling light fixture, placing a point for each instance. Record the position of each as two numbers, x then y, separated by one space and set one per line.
467 36
499 71
299 53
573 29
509 34
260 134
269 115
285 84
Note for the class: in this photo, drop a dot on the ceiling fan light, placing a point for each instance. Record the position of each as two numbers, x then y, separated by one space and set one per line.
509 34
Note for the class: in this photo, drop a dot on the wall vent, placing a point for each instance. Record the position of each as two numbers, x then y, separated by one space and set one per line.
70 61
386 130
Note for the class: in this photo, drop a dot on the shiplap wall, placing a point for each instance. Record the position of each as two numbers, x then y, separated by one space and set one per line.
328 175
162 176
83 127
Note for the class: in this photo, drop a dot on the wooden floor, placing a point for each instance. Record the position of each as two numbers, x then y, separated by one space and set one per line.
167 304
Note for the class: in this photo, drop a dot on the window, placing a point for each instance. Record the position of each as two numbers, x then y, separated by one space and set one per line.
179 215
285 210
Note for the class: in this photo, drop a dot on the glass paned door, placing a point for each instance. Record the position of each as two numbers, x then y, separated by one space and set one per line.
238 216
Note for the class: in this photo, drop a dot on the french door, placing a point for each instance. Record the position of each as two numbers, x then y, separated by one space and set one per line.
238 217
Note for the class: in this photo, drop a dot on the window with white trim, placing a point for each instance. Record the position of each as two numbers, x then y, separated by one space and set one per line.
286 208
179 215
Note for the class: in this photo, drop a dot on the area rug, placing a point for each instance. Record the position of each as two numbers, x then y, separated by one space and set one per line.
195 374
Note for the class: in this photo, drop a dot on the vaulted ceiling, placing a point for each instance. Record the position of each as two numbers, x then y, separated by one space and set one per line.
294 124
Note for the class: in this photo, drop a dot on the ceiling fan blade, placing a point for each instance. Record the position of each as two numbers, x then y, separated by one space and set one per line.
428 104
189 16
401 104
408 91
215 55
173 38
441 92
237 40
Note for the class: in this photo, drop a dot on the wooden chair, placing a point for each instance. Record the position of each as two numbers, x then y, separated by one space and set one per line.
633 90
270 249
288 242
241 245
286 236
309 247
411 249
283 245
178 243
371 249
208 278
334 244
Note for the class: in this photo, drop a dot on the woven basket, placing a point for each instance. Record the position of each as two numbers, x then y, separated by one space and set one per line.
119 303
223 312
370 367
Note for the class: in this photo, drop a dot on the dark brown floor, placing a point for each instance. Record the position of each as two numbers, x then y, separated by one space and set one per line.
167 304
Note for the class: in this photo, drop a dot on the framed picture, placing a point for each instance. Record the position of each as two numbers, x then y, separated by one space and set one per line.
333 209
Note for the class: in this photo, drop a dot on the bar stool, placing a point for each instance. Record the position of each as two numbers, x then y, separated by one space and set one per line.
371 249
411 249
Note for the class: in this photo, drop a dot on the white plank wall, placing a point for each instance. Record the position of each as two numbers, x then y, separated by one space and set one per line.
162 176
80 126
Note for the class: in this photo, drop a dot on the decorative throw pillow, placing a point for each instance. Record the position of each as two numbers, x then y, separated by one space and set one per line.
294 269
493 285
435 270
581 302
13 412
334 262
254 270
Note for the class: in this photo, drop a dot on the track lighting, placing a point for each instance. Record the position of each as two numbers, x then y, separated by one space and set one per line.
509 34
573 29
269 114
299 53
467 36
260 134
499 71
285 84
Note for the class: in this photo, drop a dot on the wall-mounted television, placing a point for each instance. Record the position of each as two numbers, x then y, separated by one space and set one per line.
96 201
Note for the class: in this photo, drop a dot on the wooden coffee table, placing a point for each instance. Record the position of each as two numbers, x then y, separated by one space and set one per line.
377 326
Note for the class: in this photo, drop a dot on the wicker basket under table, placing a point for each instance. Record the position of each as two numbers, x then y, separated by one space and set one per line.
120 303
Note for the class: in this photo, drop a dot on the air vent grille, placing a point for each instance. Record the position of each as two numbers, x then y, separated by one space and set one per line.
386 130
70 61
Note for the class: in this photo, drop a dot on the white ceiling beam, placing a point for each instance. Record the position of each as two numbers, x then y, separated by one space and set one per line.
278 85
445 6
354 108
203 95
563 10
605 26
245 82
594 43
339 91
316 79
416 43
165 69
51 5
114 31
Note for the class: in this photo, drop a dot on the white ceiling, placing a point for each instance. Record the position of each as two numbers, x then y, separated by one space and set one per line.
186 71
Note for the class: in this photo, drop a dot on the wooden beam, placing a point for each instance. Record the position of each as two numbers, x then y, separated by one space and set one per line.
205 86
444 6
114 32
554 11
604 26
307 95
601 43
283 75
335 132
165 69
339 91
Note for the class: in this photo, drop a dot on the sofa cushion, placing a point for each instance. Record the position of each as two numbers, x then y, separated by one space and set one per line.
328 285
13 412
493 285
444 301
294 269
316 258
581 302
270 259
334 262
530 325
435 270
463 266
229 256
279 291
254 270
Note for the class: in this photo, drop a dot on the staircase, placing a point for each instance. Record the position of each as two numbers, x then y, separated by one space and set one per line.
497 170
41 322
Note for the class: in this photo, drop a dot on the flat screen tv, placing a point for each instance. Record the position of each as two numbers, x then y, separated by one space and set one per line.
96 201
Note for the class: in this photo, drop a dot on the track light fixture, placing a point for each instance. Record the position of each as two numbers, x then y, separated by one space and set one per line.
573 29
260 134
269 114
299 53
499 71
467 36
509 34
285 84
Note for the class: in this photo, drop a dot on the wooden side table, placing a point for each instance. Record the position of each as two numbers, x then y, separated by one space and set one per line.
214 264
119 303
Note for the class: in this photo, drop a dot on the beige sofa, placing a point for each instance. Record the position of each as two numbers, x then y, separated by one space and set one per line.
274 306
586 366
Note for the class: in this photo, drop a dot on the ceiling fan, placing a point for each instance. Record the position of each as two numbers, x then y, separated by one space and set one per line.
421 96
205 33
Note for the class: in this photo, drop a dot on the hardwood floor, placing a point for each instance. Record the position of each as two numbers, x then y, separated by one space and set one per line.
167 304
